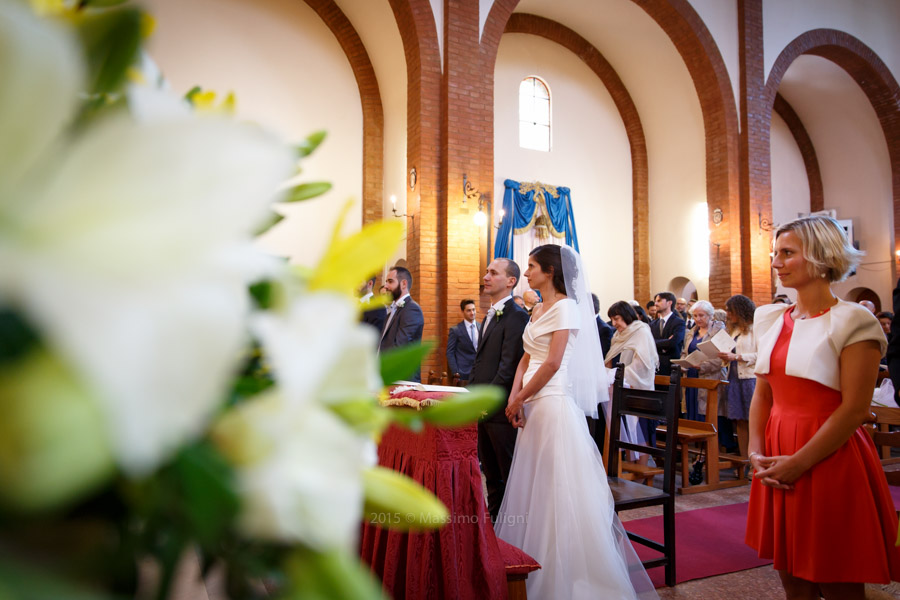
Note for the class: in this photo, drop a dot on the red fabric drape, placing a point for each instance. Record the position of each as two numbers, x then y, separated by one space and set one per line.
460 560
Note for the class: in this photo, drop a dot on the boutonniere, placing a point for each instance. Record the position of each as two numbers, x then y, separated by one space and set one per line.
400 303
498 312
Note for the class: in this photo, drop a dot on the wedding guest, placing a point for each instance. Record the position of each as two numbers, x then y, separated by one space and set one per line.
868 305
668 331
372 316
741 361
885 318
681 308
519 300
819 502
462 342
605 330
720 315
531 299
651 310
404 321
706 327
633 338
641 313
496 359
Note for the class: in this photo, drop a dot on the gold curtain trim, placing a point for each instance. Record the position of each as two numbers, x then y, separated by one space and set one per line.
540 190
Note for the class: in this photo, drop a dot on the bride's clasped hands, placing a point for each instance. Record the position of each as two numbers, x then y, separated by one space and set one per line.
515 410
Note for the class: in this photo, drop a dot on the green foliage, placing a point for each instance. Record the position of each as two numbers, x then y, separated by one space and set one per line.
395 501
17 336
362 414
305 191
481 400
209 491
399 363
307 146
331 575
102 3
20 582
111 40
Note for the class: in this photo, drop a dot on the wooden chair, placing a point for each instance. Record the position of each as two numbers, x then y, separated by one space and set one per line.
435 379
659 405
887 439
705 434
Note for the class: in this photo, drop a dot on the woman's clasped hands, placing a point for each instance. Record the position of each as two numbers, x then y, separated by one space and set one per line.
779 472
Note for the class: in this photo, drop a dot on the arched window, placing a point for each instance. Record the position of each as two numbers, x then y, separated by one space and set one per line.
534 114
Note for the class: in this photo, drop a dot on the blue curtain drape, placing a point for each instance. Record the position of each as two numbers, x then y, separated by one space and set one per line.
519 209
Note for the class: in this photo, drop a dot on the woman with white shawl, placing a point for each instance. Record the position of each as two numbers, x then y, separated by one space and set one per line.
633 345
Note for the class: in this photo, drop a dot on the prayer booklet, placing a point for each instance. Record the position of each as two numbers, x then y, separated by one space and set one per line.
721 342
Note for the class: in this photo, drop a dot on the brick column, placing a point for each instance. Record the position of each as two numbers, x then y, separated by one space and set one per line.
755 167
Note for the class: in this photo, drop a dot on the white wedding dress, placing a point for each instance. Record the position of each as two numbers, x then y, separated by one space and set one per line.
558 507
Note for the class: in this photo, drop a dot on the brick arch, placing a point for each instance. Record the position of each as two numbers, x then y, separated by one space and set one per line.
870 74
565 37
426 229
370 97
695 44
807 151
701 56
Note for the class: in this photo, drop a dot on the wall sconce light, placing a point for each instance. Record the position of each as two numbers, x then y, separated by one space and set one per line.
481 216
470 192
394 207
764 224
718 217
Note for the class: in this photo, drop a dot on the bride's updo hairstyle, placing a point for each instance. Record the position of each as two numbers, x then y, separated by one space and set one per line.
825 246
548 257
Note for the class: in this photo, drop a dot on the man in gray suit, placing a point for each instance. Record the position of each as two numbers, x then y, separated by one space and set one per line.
462 342
404 322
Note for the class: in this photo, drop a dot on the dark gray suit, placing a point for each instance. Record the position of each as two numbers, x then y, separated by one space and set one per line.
460 351
498 355
405 327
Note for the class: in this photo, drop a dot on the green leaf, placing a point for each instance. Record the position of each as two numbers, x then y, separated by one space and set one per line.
17 336
19 581
265 293
331 575
209 491
364 414
394 501
307 146
102 3
480 401
305 191
192 92
399 363
111 40
270 222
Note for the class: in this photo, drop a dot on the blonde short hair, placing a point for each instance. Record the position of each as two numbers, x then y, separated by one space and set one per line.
825 246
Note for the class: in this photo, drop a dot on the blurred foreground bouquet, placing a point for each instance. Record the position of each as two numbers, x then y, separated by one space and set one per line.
166 389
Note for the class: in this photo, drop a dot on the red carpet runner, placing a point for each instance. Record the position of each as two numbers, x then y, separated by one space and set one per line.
708 541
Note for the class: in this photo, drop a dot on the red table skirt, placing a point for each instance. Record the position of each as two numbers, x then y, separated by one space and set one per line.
460 560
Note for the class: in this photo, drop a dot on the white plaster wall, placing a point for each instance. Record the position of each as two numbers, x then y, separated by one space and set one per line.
374 22
661 87
721 18
853 158
790 183
590 155
290 75
874 22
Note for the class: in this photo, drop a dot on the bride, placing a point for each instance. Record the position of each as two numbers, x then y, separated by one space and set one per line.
558 507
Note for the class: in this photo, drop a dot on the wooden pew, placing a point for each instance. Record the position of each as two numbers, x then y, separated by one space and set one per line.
705 433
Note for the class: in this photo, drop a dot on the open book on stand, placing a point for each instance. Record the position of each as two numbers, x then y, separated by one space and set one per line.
708 350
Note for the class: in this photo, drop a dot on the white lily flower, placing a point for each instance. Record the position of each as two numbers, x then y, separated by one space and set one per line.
129 243
299 471
319 350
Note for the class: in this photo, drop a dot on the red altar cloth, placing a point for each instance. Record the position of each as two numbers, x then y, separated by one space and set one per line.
460 560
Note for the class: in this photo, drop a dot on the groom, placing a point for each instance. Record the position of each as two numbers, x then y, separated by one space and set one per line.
498 355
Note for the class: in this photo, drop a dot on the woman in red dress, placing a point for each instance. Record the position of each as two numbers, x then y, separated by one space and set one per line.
819 503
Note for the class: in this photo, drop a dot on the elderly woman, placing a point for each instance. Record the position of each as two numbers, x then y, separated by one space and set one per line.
741 379
704 328
816 365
